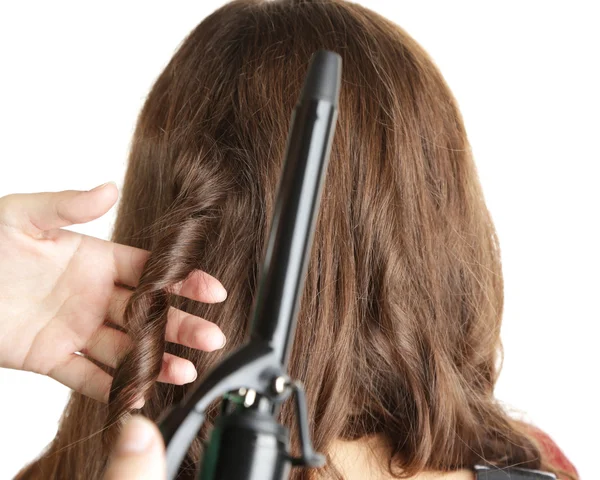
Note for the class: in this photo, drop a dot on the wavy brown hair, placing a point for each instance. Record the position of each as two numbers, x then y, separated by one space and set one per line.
399 326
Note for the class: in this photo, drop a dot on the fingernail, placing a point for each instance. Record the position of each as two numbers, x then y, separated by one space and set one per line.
219 293
139 404
101 186
135 438
216 340
192 374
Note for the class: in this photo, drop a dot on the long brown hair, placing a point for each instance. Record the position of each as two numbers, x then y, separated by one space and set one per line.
399 326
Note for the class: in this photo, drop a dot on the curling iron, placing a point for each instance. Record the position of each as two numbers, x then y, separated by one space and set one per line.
247 442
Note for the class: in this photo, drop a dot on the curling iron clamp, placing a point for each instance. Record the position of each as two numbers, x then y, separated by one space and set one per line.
247 441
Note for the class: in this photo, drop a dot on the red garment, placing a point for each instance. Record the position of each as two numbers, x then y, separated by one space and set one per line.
552 452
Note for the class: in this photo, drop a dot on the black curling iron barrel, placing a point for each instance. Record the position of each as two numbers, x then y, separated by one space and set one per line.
290 240
247 441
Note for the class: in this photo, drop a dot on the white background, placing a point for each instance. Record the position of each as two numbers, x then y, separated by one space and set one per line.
73 76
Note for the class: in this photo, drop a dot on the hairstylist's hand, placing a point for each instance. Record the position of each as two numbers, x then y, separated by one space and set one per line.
139 453
57 288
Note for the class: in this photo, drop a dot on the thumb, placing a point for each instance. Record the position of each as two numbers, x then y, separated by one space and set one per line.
34 213
139 453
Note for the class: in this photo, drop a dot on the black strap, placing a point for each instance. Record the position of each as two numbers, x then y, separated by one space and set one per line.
513 473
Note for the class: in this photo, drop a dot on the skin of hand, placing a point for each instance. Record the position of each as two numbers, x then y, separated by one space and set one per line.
139 453
60 291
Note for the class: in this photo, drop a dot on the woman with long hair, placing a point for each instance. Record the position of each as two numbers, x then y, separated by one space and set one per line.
398 336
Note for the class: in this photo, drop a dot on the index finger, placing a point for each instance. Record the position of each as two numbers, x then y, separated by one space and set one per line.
128 263
200 286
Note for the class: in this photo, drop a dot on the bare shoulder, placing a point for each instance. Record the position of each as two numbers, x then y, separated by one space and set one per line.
463 474
366 459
